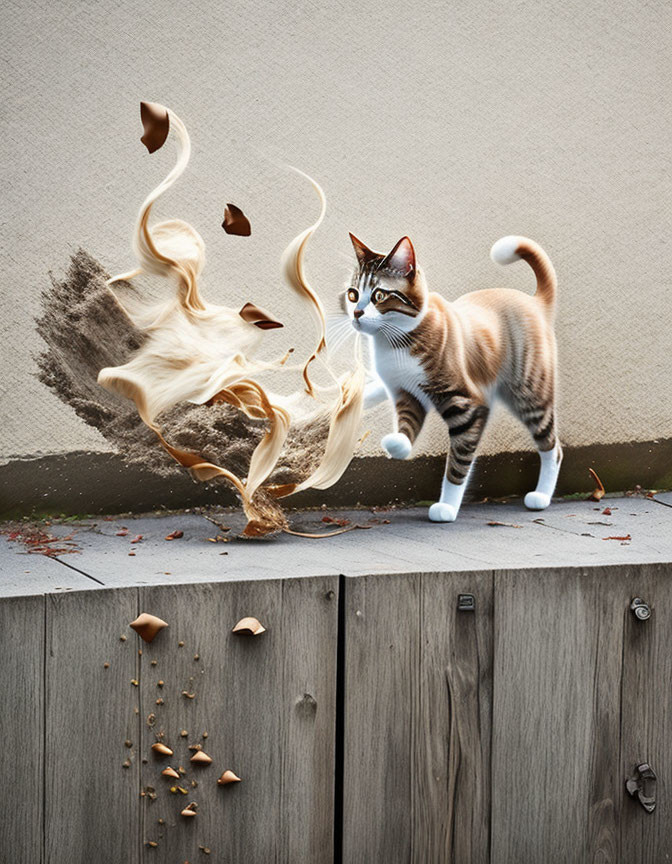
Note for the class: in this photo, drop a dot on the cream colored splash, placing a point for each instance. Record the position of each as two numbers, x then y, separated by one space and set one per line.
200 352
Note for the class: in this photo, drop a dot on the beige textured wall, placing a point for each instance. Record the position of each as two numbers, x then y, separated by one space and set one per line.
454 122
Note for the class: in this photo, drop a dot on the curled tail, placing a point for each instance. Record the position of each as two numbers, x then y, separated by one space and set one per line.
512 248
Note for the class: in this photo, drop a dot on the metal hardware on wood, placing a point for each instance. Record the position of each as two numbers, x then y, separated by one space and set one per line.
643 785
466 603
641 609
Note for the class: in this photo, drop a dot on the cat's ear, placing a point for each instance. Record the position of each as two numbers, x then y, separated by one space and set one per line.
363 252
401 258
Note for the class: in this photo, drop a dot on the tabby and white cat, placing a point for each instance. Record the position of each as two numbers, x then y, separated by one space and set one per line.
459 357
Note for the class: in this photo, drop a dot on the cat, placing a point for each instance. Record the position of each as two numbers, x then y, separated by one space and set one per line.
458 358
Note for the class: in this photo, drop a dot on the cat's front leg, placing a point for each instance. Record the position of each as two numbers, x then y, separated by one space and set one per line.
375 392
409 415
466 423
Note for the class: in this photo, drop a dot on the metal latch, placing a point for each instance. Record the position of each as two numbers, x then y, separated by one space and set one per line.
466 603
642 610
643 786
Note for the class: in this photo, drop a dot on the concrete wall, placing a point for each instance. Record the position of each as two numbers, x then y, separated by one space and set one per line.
456 123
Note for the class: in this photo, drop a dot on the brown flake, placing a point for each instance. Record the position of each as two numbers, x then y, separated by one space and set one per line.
236 222
249 627
598 492
156 125
147 626
259 317
201 758
228 777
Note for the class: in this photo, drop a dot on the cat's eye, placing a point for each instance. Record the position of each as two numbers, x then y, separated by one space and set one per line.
378 295
353 295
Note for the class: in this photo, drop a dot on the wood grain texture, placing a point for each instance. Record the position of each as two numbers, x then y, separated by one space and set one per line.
310 616
418 684
646 734
451 750
381 688
557 793
22 725
257 698
92 811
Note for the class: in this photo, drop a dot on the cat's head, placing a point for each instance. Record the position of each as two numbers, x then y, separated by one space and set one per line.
387 293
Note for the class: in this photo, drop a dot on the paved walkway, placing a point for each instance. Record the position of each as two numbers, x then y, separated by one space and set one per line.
486 537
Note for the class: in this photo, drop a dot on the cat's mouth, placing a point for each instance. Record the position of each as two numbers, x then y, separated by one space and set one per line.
359 325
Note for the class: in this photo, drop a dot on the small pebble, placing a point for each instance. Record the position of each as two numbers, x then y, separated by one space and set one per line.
128 743
205 734
152 844
134 682
196 657
140 651
184 733
159 683
180 644
127 763
122 638
106 665
153 662
159 701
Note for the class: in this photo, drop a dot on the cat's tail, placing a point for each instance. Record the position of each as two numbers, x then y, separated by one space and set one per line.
512 248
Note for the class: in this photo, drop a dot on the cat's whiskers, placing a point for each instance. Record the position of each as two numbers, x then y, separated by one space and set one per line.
338 333
397 337
336 345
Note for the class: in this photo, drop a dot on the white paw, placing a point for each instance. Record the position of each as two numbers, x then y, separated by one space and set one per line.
396 445
537 500
442 512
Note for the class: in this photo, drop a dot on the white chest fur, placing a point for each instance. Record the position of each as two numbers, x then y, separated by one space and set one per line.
398 370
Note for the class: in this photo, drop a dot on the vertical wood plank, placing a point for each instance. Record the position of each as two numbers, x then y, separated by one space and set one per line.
310 620
647 713
558 638
453 731
257 698
605 591
22 724
381 694
91 799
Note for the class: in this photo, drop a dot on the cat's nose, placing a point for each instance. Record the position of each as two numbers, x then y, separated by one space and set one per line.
358 313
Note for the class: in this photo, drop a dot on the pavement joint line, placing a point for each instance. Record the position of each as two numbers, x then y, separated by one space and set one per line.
77 570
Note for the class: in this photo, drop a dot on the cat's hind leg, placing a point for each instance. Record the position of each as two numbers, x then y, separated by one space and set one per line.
466 429
542 426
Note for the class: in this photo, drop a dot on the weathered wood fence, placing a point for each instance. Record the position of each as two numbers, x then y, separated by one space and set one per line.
374 721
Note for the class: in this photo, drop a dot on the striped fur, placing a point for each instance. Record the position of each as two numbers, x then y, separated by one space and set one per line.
459 357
